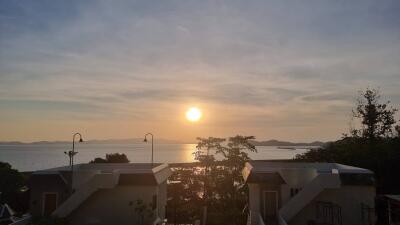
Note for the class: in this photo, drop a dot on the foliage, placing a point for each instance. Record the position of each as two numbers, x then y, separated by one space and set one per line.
143 210
215 183
184 202
112 158
374 146
231 185
48 220
377 118
11 184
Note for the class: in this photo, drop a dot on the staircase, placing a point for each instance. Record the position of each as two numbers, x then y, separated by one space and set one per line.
98 181
308 193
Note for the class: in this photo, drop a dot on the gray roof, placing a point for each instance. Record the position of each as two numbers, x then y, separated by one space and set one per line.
138 167
258 170
268 166
159 172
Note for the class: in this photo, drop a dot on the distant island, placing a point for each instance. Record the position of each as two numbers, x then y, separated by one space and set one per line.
286 143
108 141
164 141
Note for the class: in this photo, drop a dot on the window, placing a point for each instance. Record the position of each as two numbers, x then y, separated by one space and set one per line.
294 191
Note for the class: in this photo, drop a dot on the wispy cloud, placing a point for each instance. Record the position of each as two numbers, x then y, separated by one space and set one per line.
269 68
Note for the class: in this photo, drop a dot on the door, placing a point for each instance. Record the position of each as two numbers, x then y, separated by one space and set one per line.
270 206
49 203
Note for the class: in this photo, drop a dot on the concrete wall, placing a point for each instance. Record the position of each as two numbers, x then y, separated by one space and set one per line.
349 198
162 199
41 184
80 177
112 206
254 202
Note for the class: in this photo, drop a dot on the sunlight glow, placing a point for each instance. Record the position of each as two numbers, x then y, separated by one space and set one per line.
193 114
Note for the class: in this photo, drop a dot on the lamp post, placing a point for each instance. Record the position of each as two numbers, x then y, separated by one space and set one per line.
152 146
72 153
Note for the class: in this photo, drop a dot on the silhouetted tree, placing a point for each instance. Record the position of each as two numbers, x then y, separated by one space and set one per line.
143 211
233 191
112 158
11 184
48 220
375 146
224 189
377 118
184 202
207 160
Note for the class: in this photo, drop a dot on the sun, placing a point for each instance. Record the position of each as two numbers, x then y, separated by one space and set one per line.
193 114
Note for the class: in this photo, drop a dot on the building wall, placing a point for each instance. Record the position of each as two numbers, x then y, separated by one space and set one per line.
116 206
162 199
349 198
80 177
42 184
254 202
269 187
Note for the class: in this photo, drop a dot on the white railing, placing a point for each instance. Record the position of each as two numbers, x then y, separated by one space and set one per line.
98 181
260 220
248 219
255 218
281 221
309 192
24 221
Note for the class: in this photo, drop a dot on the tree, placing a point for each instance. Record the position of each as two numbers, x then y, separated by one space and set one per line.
224 189
207 160
374 146
143 210
184 201
235 154
48 220
112 158
11 184
377 118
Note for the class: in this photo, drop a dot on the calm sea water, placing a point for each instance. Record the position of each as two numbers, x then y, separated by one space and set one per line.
34 157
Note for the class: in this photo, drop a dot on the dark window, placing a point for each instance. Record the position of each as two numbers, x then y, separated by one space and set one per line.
294 191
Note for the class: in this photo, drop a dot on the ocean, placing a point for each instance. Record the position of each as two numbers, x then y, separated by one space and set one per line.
29 157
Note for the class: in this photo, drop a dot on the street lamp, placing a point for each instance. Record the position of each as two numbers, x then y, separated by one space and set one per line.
152 146
72 153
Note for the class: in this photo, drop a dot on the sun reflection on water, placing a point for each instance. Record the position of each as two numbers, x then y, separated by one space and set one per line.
187 153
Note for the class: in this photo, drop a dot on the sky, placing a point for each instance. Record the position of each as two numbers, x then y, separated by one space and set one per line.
275 69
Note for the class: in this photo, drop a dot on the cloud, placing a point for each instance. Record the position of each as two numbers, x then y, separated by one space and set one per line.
265 62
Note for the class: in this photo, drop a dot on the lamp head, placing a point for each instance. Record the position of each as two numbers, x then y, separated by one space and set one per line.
145 139
80 140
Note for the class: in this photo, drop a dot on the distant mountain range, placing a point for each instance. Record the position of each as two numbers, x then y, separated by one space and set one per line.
108 141
164 141
286 143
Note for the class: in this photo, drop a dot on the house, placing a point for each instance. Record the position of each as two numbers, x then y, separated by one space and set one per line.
6 214
101 193
388 209
297 193
9 217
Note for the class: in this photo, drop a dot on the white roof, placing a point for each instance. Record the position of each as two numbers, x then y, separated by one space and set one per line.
271 166
108 167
